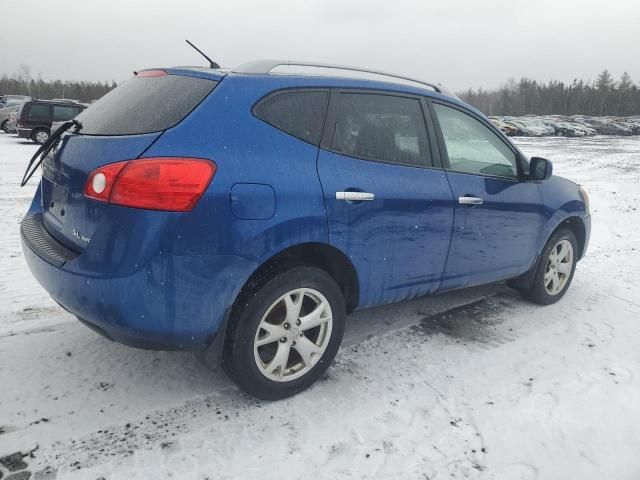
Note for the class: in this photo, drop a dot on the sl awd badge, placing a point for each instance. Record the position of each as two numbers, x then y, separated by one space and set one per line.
77 234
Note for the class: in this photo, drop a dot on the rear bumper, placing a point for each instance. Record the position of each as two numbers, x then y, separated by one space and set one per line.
171 303
24 132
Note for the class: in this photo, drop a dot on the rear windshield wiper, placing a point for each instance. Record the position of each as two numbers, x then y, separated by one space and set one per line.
46 147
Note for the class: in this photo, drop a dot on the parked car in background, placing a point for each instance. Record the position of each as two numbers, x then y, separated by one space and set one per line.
12 121
523 127
6 100
568 125
610 125
5 125
247 213
505 128
36 116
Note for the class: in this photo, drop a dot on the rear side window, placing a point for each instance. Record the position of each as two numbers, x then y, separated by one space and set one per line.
380 127
63 112
145 105
39 110
299 113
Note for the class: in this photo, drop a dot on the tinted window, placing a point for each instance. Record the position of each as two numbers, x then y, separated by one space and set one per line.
144 105
63 112
300 114
39 110
472 147
380 127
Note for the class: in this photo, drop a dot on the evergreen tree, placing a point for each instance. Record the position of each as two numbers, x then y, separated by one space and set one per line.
580 97
24 83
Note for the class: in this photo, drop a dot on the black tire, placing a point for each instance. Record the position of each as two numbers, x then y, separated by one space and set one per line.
34 135
238 358
3 127
537 292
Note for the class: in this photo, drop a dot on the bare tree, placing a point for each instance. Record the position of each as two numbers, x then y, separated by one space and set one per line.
24 74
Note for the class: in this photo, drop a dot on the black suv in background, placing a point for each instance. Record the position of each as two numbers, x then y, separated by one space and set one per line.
36 116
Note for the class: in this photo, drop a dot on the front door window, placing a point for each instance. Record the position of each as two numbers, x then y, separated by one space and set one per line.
472 147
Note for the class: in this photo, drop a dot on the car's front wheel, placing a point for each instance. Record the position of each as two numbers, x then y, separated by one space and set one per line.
286 333
555 269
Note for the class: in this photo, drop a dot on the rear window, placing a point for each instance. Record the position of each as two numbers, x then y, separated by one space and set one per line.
145 105
299 113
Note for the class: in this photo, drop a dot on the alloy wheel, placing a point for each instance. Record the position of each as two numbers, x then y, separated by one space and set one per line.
293 335
558 268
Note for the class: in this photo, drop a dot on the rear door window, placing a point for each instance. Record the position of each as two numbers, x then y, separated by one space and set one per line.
145 104
380 127
64 112
298 113
40 111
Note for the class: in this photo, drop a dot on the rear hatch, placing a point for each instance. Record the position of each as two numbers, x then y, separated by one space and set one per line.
120 126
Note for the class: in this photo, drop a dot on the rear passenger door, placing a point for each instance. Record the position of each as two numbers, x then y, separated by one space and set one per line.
389 206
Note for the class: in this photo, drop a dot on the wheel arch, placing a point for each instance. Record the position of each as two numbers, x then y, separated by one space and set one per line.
577 226
320 255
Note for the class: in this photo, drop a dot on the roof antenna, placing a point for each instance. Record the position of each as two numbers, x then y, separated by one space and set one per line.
212 64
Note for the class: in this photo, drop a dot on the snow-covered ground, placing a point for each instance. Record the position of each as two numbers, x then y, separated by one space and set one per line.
473 384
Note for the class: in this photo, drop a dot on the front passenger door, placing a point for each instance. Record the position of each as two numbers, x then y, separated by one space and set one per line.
498 215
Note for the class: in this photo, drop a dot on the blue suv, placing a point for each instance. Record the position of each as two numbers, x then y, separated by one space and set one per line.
248 211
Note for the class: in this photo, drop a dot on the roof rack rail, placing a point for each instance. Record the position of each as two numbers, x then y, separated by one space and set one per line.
261 67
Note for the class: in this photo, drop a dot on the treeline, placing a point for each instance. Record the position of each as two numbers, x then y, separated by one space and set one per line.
23 83
605 96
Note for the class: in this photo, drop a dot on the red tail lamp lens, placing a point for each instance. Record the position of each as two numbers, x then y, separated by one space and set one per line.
163 183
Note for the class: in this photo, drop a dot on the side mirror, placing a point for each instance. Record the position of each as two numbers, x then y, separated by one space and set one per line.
540 168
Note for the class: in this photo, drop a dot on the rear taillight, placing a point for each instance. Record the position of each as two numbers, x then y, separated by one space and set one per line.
162 183
101 181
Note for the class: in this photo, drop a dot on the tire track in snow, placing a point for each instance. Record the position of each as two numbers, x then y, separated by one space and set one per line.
475 325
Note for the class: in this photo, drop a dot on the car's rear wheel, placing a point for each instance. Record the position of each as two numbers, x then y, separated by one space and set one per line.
555 269
286 334
4 126
40 135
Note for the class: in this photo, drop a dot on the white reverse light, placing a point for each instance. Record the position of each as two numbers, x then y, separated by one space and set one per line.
99 183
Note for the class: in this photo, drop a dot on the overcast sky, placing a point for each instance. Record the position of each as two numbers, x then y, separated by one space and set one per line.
459 43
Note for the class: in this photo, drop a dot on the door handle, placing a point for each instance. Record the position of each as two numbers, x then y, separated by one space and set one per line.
470 201
355 196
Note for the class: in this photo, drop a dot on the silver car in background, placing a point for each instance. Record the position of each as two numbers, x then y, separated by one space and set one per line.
6 100
5 124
